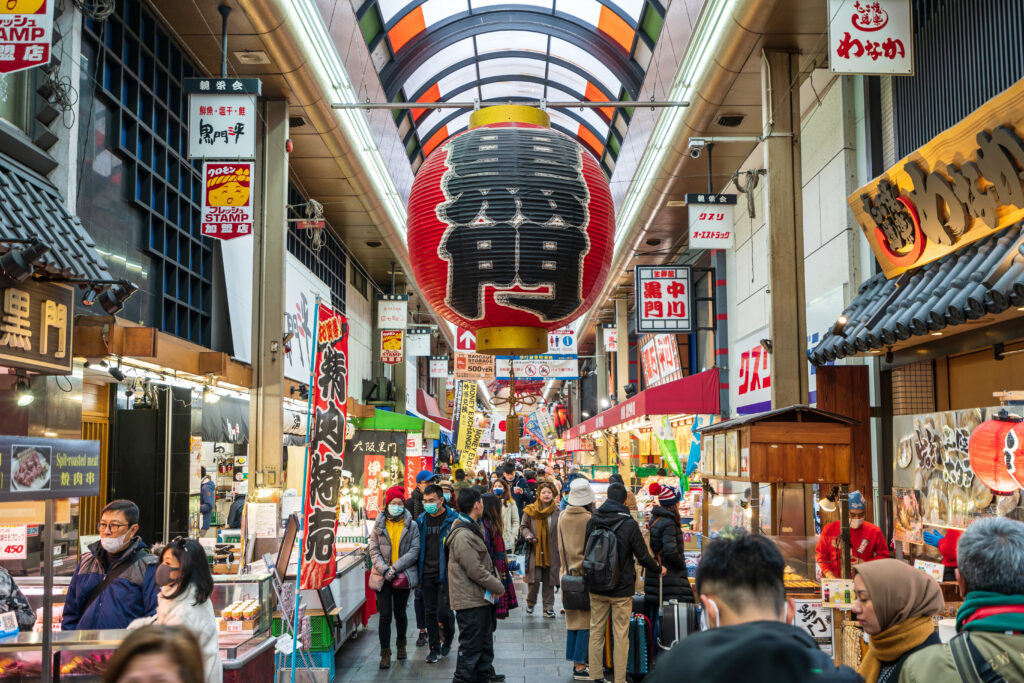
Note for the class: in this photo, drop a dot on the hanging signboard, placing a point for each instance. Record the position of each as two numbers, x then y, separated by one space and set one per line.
391 346
37 326
439 367
537 367
26 31
710 220
871 37
659 356
547 424
326 449
417 342
222 117
663 299
611 338
384 442
227 200
562 342
36 468
392 311
474 366
465 414
465 340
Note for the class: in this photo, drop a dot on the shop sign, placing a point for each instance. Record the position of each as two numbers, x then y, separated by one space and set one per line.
385 442
474 366
13 542
710 220
326 449
465 340
611 338
659 355
871 37
750 375
392 311
663 299
227 200
413 445
36 326
26 28
222 117
465 414
562 341
35 468
391 346
960 187
439 368
417 342
816 620
414 464
537 367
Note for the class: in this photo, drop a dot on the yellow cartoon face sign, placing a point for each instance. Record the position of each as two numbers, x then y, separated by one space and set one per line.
21 6
229 189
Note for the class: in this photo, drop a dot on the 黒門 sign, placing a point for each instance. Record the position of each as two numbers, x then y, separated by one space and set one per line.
222 117
34 468
36 326
870 37
227 200
663 299
710 220
26 28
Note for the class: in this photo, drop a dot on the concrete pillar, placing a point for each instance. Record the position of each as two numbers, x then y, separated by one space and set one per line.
269 249
622 355
602 371
780 98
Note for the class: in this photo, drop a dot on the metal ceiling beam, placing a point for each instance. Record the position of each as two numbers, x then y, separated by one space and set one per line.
540 104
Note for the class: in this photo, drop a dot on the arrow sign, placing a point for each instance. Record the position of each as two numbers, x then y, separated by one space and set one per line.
465 340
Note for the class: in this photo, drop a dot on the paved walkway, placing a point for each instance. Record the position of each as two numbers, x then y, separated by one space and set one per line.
526 647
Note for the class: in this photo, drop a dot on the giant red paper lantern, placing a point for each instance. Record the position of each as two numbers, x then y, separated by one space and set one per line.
510 229
993 449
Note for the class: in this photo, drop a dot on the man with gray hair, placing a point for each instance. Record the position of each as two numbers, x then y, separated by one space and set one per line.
989 645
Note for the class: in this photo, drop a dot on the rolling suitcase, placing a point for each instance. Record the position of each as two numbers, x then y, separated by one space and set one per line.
676 620
641 643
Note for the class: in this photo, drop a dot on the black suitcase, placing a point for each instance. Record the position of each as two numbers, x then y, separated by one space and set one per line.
678 620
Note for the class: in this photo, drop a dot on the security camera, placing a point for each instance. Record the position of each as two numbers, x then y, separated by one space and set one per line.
696 146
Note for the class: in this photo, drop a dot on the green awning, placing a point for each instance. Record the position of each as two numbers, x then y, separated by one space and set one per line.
387 419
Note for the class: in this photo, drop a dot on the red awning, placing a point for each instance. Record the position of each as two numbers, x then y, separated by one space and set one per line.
693 395
426 405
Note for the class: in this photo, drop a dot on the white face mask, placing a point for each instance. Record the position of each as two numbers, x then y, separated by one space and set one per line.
114 544
856 523
705 624
396 510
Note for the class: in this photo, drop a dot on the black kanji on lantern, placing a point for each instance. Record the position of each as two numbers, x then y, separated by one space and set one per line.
516 207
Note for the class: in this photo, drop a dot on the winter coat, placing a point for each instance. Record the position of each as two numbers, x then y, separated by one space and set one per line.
198 619
206 489
1003 651
13 600
470 569
415 503
128 597
572 537
235 513
522 499
630 544
509 523
408 551
446 526
528 528
667 546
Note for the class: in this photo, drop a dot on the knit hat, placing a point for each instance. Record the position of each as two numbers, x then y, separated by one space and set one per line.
857 501
394 492
667 495
580 492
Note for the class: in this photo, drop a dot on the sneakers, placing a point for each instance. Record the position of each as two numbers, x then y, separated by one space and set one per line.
581 674
549 613
445 649
434 657
529 609
497 678
422 640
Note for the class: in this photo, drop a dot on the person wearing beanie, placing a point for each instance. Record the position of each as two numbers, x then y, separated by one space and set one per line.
616 478
667 546
867 542
572 539
395 551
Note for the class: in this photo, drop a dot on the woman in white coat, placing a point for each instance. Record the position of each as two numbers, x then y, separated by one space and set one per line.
185 584
509 513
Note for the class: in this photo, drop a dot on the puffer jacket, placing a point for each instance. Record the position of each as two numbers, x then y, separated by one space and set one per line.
450 516
667 546
131 595
470 568
408 551
630 544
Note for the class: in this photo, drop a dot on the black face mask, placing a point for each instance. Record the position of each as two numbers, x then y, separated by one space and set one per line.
166 575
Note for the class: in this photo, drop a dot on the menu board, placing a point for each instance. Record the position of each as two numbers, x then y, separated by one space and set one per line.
35 468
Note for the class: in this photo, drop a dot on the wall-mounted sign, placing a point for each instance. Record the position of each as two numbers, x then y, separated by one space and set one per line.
465 340
391 346
562 341
537 367
227 200
34 468
871 37
710 220
392 311
417 342
750 381
439 368
474 366
611 338
222 117
663 299
36 326
659 356
26 28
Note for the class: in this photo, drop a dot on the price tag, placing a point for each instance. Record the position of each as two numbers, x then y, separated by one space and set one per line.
13 542
234 627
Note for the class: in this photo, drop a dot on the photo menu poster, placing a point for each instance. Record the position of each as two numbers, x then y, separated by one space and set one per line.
36 468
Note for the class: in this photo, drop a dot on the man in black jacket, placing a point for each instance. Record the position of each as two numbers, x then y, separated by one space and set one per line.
739 581
619 600
520 490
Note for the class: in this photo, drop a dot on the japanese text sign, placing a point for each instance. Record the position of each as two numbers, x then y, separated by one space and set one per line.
227 199
816 620
474 366
222 117
562 341
750 374
33 468
417 342
465 414
537 367
659 355
871 37
36 326
663 299
384 442
326 449
392 311
611 338
439 367
26 28
391 346
13 542
710 220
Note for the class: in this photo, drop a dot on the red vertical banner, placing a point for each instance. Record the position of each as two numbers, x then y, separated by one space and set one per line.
373 466
326 449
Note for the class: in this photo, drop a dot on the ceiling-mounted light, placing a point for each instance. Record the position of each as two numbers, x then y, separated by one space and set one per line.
89 298
113 299
23 393
839 325
19 263
115 372
210 396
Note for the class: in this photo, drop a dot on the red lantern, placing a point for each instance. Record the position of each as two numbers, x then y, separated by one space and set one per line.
510 229
993 448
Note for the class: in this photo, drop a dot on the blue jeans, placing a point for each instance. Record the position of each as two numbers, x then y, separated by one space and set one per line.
577 643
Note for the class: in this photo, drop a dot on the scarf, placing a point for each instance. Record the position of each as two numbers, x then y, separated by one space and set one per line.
991 612
540 514
893 643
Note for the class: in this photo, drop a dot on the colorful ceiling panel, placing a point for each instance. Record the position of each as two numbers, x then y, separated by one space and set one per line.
499 51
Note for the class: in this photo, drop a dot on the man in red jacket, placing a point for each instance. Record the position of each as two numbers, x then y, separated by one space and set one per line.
867 542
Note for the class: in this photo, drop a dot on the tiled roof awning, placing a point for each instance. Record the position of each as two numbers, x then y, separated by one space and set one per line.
982 279
30 206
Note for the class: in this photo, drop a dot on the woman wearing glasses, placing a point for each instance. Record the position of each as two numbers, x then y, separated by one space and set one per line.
185 585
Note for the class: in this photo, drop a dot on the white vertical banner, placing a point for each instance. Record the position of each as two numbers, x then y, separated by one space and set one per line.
417 342
392 311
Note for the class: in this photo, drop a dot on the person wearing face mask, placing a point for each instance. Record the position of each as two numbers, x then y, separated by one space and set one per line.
448 488
434 525
168 654
415 507
395 551
509 512
185 585
539 528
867 542
747 616
114 583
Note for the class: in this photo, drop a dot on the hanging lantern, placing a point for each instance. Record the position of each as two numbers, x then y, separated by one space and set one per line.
993 449
510 229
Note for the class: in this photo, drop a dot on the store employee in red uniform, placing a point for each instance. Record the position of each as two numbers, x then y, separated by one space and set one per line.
866 541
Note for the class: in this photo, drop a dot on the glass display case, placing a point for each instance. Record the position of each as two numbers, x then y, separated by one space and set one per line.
248 589
32 587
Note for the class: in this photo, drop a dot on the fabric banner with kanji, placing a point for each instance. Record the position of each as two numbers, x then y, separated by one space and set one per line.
326 449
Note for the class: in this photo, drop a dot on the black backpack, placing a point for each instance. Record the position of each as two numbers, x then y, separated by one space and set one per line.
601 565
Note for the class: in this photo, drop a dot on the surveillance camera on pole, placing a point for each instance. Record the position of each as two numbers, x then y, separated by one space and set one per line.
696 146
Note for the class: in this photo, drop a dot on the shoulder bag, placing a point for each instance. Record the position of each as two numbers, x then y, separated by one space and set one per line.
574 594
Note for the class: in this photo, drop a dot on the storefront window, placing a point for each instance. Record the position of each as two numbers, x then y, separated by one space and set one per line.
14 99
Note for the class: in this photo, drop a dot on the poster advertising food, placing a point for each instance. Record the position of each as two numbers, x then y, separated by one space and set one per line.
36 468
732 453
907 510
719 455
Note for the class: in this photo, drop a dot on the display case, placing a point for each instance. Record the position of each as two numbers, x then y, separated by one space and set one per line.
32 588
254 589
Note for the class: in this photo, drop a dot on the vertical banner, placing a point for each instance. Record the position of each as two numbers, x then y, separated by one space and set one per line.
227 201
439 367
465 414
326 449
391 346
373 466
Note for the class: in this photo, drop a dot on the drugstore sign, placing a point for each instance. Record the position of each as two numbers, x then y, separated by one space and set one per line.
960 187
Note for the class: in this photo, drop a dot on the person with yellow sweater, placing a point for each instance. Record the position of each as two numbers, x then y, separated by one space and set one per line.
394 552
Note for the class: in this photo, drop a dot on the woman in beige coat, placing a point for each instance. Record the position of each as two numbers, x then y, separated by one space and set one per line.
572 533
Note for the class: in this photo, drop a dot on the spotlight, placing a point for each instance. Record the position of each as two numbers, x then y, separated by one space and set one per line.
766 344
19 264
89 298
889 355
113 299
209 396
840 323
828 503
631 390
22 393
116 373
605 403
129 392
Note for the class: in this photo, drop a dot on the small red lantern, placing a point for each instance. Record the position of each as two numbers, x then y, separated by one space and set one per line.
993 449
510 229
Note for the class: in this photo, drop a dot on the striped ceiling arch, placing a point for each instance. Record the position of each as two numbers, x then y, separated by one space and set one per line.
512 50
